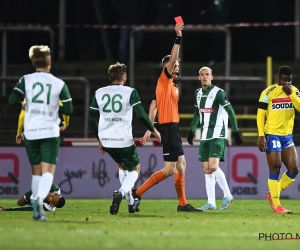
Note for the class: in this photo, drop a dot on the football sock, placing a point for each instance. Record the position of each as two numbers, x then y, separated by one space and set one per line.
222 182
44 186
210 184
35 180
122 175
129 182
179 183
152 181
286 180
273 188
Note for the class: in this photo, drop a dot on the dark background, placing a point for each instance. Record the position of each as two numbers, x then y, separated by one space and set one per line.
248 44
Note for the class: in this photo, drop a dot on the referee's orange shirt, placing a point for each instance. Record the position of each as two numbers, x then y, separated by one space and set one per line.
167 97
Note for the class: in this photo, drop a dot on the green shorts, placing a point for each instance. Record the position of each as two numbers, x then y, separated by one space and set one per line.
214 148
128 156
42 150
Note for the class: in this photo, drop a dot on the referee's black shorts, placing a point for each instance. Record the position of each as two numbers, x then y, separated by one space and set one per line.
171 141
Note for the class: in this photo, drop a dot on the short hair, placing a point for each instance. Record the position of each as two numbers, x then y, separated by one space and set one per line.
166 60
61 202
116 71
286 70
205 67
40 56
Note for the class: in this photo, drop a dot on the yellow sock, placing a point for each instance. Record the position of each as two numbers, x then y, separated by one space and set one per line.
274 190
285 182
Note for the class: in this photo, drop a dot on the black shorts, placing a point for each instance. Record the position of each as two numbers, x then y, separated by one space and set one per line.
171 141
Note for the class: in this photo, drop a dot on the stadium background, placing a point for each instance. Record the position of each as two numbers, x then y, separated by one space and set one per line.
88 52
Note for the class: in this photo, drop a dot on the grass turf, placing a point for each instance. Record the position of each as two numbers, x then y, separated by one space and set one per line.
87 224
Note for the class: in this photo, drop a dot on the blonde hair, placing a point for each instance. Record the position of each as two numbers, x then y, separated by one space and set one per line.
207 68
116 71
40 56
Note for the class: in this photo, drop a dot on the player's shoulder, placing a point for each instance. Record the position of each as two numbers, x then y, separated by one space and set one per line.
270 89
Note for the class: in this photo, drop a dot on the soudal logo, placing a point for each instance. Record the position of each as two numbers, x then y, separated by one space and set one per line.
207 110
282 103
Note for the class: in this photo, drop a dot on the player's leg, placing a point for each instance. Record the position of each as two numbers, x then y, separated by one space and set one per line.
274 160
210 179
49 155
290 159
170 159
179 179
34 156
210 183
216 154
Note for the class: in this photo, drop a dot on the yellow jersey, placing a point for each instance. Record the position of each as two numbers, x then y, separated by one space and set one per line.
276 110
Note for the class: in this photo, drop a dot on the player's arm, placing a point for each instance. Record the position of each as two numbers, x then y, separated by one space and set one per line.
261 120
21 122
151 115
222 98
66 119
13 209
55 188
295 98
18 94
175 49
139 110
25 199
94 117
141 114
195 120
66 99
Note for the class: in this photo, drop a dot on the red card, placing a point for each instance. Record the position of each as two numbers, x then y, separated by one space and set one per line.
179 20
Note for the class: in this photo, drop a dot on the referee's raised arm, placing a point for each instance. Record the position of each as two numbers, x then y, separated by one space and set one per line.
175 49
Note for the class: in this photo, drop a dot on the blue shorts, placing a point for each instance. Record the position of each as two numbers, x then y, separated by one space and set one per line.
277 143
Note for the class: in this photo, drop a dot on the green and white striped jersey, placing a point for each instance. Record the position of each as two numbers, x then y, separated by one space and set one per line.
42 91
213 118
115 104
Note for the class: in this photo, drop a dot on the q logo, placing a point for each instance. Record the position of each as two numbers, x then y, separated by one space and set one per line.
12 176
247 176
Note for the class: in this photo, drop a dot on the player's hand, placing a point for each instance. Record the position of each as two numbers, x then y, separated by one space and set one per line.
157 135
237 137
190 137
101 149
262 144
63 127
23 105
287 89
2 208
19 138
178 29
145 137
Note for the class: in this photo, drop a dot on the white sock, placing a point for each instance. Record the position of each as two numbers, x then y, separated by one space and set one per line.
44 186
129 181
122 175
35 180
210 183
129 198
222 182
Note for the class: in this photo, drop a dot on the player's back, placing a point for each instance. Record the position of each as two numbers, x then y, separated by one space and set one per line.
115 124
42 91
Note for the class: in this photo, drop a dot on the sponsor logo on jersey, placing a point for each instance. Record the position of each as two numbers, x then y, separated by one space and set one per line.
113 119
282 103
207 110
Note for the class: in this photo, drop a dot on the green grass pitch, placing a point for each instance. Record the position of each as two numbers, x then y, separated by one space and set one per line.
87 224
